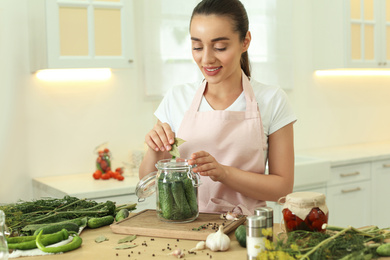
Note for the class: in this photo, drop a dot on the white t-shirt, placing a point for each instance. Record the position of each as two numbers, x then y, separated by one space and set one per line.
275 109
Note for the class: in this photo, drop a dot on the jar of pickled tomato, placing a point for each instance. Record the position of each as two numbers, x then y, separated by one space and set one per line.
305 211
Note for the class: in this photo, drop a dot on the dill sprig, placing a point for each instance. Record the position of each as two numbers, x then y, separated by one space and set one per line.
336 243
51 210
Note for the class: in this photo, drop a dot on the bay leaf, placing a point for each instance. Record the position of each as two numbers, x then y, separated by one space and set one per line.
174 150
100 239
124 247
127 239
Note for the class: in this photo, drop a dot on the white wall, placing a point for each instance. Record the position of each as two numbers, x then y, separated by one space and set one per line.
52 128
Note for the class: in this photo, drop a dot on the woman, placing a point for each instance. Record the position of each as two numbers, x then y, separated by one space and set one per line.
231 123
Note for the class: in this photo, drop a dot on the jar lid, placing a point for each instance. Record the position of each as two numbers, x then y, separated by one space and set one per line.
146 186
256 221
306 199
267 212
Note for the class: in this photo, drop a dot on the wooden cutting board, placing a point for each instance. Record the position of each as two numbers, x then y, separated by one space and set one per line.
146 223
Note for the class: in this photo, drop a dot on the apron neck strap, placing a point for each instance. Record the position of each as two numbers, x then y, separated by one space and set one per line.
251 104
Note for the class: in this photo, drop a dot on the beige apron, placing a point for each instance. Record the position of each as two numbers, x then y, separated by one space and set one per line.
233 138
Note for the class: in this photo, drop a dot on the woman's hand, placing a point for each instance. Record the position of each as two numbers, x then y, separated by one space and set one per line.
206 165
160 138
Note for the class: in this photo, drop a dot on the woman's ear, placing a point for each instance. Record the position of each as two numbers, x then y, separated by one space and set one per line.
247 41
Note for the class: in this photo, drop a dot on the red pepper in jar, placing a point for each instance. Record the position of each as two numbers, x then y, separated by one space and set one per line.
309 206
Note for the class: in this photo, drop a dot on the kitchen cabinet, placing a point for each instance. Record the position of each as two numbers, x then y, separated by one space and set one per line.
80 34
349 195
381 193
351 34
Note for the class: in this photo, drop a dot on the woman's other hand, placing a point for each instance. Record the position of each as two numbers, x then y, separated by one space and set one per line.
160 138
206 165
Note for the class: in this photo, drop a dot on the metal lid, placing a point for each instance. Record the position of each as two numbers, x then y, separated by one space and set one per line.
267 212
256 221
146 186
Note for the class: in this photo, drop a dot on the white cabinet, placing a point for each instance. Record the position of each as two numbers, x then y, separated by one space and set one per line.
381 193
351 34
349 195
80 34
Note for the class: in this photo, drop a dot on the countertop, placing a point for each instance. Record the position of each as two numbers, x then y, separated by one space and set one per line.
84 186
148 248
349 154
155 248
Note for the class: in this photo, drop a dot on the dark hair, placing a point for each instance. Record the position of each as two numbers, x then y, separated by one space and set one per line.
235 10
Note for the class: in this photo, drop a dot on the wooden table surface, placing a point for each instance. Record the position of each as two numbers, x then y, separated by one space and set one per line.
147 248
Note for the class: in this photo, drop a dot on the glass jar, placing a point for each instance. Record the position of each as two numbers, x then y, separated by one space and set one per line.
3 241
305 211
177 190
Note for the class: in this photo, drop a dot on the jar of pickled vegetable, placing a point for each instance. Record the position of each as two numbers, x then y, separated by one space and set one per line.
305 211
176 187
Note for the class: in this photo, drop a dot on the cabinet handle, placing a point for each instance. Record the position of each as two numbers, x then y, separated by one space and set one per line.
349 174
386 165
351 190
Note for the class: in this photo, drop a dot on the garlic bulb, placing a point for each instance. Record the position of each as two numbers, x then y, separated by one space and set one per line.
218 241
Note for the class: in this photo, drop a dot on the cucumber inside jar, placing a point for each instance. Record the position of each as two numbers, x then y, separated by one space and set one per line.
177 197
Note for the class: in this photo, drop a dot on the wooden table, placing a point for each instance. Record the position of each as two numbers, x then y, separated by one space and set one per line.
148 248
155 248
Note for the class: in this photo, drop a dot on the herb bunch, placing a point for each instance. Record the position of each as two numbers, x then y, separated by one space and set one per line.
335 243
51 210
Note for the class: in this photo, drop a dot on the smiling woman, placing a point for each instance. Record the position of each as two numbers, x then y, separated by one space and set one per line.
231 123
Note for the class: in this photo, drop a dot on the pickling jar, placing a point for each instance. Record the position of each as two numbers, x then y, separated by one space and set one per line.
305 211
3 241
176 188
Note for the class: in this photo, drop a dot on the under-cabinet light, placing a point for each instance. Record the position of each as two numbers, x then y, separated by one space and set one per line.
73 74
353 72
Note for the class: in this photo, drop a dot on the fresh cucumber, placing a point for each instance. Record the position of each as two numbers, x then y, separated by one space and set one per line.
240 235
191 195
165 199
100 222
122 214
182 206
53 228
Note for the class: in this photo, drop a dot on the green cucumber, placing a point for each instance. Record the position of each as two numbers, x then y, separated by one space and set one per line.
165 199
191 195
100 222
183 209
240 235
53 228
383 250
122 214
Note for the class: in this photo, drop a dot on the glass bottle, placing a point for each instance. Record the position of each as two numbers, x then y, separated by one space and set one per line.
255 240
305 211
3 241
176 187
267 212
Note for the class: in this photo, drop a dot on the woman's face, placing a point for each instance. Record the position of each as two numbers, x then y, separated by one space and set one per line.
216 48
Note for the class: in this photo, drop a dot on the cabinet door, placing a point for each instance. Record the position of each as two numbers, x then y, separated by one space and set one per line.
81 34
349 204
381 193
364 33
385 12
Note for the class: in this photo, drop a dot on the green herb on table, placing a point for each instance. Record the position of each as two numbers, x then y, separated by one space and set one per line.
53 210
101 239
175 150
335 243
125 247
127 239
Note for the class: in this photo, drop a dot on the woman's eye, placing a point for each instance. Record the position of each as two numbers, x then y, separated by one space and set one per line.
220 49
197 48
